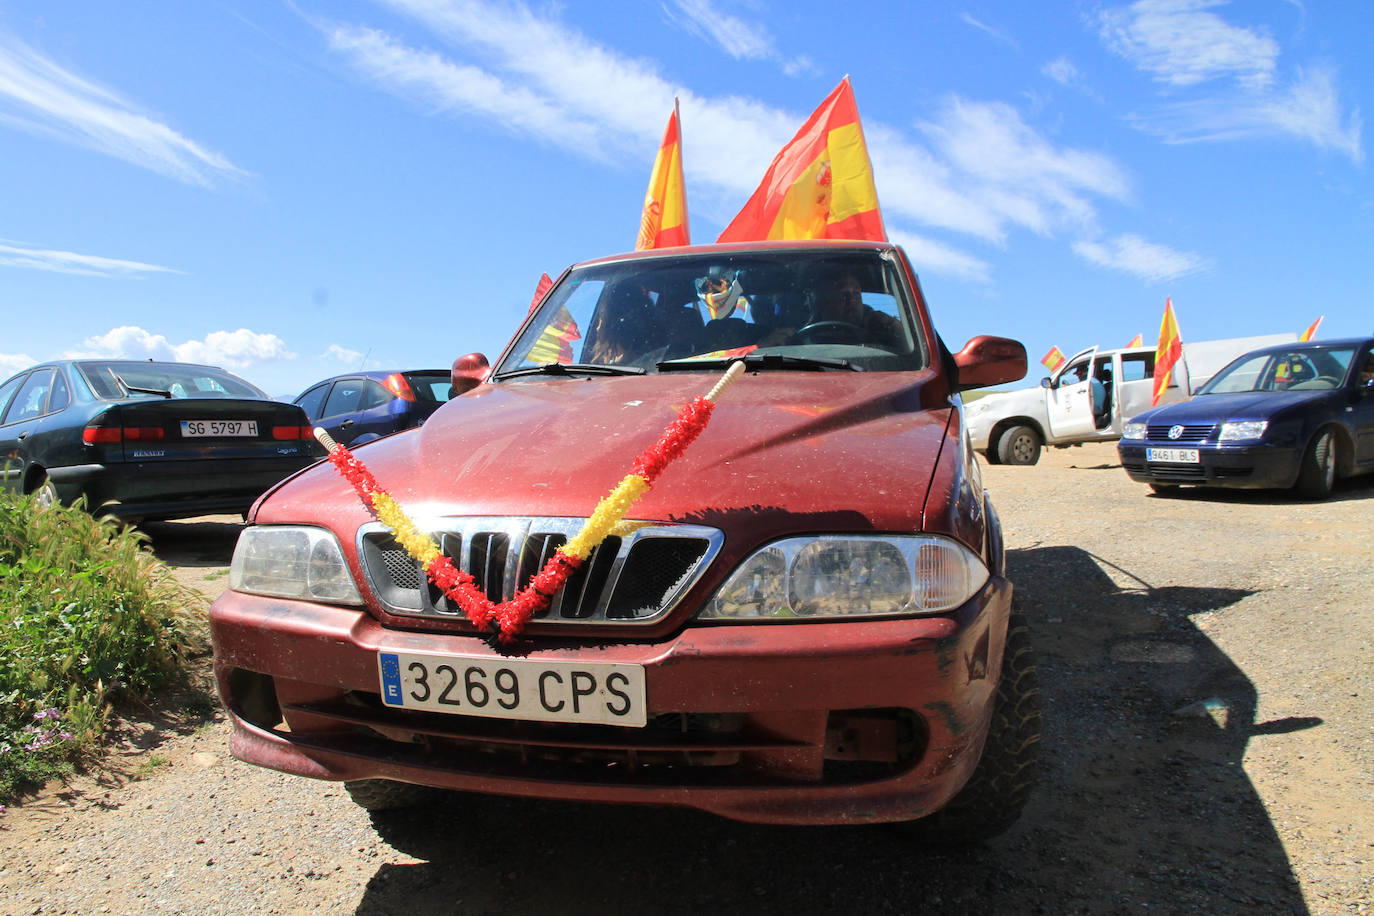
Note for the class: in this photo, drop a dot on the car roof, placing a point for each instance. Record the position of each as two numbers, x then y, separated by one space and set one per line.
743 247
1334 343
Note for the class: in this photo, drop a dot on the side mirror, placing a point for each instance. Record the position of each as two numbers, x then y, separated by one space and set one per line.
1045 382
468 372
987 360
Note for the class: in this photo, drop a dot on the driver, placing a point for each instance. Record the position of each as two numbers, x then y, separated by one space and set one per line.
841 316
1367 370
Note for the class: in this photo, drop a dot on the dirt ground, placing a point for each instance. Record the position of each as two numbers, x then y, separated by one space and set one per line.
1209 747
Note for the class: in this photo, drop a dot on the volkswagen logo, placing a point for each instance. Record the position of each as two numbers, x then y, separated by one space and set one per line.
1175 431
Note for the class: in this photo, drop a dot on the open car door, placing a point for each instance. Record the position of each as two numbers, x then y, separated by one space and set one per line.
1069 399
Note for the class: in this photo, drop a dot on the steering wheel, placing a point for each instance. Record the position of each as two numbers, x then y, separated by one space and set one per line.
842 329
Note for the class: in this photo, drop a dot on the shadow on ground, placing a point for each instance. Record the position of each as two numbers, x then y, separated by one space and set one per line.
1142 801
200 542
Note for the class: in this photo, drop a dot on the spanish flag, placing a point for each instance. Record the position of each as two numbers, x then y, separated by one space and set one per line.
540 288
1053 359
820 186
1311 331
1168 351
1136 341
664 221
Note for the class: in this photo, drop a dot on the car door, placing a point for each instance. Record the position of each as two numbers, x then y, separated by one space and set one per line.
1362 411
23 422
339 416
11 465
1069 399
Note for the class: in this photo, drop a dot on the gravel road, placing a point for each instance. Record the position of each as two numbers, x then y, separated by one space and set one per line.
1209 748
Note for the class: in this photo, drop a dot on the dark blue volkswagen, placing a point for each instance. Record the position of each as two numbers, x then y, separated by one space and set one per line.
1299 415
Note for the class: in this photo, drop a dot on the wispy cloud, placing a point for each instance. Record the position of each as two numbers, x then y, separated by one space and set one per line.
41 97
10 363
68 262
1061 70
983 27
1183 45
1180 43
738 38
1148 261
971 168
234 349
342 354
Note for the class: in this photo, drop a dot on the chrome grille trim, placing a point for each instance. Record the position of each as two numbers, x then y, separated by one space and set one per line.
502 553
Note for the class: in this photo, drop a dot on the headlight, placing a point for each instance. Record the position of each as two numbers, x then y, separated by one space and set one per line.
292 562
1243 429
824 577
1133 430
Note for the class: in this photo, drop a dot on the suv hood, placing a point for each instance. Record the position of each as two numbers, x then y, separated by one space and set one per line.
792 451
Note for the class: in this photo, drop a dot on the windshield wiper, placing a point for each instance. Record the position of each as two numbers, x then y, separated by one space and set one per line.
760 361
135 389
569 369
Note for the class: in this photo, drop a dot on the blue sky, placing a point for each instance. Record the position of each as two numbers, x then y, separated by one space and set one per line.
292 190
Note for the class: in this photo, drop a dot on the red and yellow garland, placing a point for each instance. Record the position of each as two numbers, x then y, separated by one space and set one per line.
507 619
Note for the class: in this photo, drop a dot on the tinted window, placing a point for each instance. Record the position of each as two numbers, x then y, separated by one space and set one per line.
119 380
313 401
32 399
850 305
59 397
373 395
430 386
8 391
1314 369
1137 367
343 398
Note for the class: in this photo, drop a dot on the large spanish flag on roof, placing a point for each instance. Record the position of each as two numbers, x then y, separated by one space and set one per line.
664 221
820 186
1168 351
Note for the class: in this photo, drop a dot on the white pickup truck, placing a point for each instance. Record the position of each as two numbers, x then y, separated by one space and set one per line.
1091 396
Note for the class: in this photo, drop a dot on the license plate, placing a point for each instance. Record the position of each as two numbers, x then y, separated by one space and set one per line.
1172 455
596 693
195 428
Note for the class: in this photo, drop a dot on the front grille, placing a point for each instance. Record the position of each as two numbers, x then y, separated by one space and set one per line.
1177 472
1192 432
635 576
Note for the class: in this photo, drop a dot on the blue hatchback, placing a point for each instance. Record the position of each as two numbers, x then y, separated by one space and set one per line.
362 406
1299 415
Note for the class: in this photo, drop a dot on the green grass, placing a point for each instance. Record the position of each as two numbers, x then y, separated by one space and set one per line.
88 617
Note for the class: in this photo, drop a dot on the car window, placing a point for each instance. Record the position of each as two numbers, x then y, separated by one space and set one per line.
121 380
60 397
1075 373
32 399
373 395
7 391
1136 367
312 402
1298 369
343 397
431 386
807 304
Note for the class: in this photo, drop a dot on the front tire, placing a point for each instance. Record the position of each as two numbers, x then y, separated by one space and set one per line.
1019 445
1001 783
1317 476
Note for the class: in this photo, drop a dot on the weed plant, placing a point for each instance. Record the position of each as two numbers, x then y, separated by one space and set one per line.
88 616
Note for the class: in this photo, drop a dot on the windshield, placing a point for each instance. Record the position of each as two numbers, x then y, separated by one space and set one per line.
1292 369
640 314
119 380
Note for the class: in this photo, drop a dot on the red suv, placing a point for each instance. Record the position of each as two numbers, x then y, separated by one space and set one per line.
806 620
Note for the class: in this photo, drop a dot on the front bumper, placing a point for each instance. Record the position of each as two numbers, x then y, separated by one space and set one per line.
1251 466
174 489
815 723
